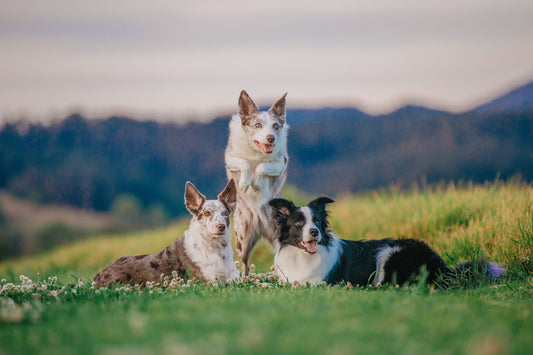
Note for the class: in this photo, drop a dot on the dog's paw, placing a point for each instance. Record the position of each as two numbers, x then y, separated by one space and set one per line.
245 181
258 182
234 277
260 170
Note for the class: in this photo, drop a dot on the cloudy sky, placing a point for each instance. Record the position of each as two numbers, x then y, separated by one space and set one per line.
177 60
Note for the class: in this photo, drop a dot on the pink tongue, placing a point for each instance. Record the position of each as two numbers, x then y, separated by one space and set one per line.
311 247
266 148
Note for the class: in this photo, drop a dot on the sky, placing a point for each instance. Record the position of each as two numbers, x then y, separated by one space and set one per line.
189 60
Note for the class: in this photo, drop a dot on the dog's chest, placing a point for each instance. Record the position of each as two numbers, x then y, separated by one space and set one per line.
213 257
294 264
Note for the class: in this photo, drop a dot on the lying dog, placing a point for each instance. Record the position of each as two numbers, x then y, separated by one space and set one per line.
204 250
256 158
307 251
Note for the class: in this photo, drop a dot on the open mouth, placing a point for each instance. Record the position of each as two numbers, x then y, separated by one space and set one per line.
310 246
266 148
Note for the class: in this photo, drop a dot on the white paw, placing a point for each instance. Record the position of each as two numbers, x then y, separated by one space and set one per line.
257 184
245 181
260 170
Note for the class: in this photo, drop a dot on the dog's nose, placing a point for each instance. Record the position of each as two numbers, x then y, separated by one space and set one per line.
221 227
271 138
314 232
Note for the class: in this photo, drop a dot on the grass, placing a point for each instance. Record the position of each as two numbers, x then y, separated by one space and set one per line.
262 316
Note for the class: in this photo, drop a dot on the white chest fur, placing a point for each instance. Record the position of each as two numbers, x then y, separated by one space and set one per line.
213 257
294 264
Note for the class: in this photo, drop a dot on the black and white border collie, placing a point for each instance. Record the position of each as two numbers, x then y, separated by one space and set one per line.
307 251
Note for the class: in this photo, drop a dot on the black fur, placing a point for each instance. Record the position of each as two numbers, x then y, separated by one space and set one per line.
357 262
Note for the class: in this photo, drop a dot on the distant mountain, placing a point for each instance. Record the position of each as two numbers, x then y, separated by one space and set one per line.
410 111
88 163
520 99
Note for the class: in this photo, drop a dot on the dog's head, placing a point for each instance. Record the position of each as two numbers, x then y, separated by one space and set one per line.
211 216
302 227
262 128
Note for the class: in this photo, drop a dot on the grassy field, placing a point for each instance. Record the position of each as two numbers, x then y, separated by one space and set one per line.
261 316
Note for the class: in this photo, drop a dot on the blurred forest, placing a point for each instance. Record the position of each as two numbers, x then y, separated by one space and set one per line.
139 168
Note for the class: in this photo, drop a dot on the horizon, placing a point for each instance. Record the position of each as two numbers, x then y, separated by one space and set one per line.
208 118
184 62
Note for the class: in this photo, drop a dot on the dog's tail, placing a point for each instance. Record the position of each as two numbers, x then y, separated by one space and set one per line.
480 267
472 272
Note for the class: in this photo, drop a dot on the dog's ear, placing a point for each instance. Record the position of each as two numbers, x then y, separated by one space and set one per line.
193 198
319 205
282 208
229 196
278 109
246 107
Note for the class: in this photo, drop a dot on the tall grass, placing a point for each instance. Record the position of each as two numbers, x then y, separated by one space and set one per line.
459 221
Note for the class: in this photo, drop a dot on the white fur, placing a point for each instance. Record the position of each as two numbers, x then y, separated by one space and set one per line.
382 257
206 250
243 156
294 264
309 224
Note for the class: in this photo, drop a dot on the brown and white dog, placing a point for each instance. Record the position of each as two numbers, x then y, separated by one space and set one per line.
256 158
204 249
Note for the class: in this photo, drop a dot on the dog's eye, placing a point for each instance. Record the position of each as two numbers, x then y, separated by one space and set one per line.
299 223
275 126
225 213
207 213
258 125
316 221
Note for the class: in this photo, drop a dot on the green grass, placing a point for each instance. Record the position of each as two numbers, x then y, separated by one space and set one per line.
486 317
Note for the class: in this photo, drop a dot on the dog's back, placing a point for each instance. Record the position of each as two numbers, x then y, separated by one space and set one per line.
138 269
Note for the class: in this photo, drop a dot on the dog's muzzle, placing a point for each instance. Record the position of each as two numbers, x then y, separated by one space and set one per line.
265 148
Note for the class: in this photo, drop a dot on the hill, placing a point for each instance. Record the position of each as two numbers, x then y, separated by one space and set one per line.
89 163
260 315
519 99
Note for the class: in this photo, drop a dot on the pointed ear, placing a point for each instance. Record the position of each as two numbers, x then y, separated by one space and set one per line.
278 109
319 205
193 198
246 107
282 208
229 195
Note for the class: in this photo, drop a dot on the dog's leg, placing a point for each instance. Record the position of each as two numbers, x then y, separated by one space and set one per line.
246 236
238 164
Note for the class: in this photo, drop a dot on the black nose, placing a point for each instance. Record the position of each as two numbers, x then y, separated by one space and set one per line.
221 227
314 232
271 138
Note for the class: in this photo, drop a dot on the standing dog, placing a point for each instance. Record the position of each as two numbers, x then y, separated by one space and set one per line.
307 251
204 249
256 158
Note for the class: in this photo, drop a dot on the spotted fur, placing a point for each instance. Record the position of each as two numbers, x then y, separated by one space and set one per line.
204 251
256 158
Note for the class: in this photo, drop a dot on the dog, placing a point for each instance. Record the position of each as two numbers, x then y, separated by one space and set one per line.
307 251
256 158
204 251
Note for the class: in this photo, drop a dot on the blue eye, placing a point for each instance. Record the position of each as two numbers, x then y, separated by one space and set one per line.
276 126
258 125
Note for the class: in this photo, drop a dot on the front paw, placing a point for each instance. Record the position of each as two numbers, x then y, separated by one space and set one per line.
260 170
257 184
245 181
234 277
